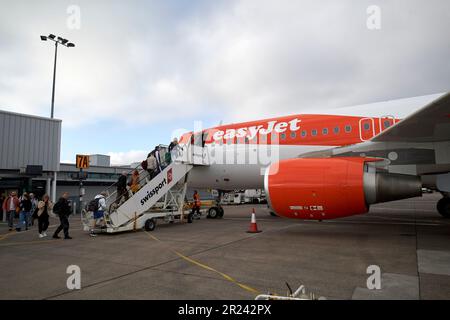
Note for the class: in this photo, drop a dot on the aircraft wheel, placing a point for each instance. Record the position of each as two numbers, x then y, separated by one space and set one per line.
221 212
150 224
190 218
213 212
443 207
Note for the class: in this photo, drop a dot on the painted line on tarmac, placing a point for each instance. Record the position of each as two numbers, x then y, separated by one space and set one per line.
247 219
405 209
201 265
361 222
28 242
385 223
441 222
6 235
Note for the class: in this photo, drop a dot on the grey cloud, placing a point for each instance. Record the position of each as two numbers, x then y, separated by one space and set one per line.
242 59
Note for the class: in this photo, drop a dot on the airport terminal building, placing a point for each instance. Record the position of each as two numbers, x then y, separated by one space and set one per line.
30 148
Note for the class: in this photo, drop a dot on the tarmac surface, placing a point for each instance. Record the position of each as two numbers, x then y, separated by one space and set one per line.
217 259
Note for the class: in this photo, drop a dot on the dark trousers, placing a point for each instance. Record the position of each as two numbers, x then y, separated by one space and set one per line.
196 209
153 173
121 193
64 225
10 217
43 223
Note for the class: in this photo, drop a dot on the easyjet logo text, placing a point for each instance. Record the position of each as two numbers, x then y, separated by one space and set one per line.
253 131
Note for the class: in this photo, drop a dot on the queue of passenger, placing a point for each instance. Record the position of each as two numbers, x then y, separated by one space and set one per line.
27 209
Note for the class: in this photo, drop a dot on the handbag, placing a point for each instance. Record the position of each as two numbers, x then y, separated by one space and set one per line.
35 213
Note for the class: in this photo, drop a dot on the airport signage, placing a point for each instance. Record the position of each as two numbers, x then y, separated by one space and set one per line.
82 161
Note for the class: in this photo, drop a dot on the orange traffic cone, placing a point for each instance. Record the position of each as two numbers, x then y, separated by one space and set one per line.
253 227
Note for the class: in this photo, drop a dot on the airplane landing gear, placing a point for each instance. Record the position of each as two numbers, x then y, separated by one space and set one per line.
443 207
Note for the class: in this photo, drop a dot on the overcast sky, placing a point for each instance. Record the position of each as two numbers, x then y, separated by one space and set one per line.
142 69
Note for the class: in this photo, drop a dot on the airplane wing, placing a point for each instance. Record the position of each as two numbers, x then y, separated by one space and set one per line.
429 124
419 144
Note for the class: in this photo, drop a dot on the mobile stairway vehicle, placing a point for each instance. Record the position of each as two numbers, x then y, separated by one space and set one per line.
162 197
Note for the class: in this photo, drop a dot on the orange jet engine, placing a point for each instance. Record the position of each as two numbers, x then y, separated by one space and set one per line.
329 188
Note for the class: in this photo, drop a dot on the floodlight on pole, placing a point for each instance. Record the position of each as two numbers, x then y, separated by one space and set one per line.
57 41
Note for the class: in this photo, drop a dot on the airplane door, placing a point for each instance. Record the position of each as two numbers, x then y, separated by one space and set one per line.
366 128
199 153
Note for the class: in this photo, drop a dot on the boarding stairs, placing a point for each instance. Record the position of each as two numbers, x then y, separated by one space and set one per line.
162 197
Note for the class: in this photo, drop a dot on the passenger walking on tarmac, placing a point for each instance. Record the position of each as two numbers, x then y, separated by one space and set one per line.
43 211
134 183
151 165
24 215
11 206
34 204
99 204
196 205
63 210
122 187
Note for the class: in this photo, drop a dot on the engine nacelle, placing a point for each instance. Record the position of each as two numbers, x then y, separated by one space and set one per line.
329 188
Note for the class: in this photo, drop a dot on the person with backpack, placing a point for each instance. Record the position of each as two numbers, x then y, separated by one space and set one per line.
63 210
122 187
24 216
97 206
42 213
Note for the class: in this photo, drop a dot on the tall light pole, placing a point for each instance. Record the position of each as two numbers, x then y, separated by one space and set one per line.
66 43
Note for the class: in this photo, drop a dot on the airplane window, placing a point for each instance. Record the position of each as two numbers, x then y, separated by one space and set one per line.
283 136
325 131
304 133
336 130
366 126
293 135
348 128
387 123
314 132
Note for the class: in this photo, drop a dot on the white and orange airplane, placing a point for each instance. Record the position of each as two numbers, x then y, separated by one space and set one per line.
318 166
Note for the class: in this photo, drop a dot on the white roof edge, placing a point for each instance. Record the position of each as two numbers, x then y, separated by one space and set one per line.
29 116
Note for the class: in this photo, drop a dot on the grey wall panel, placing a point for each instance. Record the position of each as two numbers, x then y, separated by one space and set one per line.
29 140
